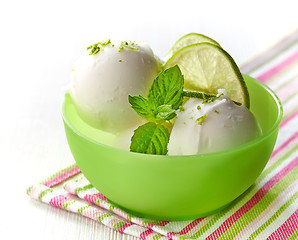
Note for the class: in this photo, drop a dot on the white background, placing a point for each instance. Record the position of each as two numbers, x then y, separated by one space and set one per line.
40 40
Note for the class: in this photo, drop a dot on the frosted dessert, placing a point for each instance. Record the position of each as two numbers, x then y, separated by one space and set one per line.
123 89
210 127
104 76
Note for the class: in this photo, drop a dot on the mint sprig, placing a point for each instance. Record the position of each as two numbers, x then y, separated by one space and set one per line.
164 98
150 138
142 106
165 112
167 88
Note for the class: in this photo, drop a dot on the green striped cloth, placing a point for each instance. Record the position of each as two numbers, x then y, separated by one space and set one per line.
268 210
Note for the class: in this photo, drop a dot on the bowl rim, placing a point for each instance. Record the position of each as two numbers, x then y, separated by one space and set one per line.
202 155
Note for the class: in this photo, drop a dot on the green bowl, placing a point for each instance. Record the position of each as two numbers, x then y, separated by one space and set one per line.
174 187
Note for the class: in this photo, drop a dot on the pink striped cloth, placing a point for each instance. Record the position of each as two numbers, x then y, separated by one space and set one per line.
268 210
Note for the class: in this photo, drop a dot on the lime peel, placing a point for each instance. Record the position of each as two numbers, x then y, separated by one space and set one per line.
207 67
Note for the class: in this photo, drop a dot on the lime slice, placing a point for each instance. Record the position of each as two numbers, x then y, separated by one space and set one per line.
188 39
207 67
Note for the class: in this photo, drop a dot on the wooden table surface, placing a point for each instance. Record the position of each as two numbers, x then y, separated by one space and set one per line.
40 41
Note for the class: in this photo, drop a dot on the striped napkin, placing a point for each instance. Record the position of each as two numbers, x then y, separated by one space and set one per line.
268 210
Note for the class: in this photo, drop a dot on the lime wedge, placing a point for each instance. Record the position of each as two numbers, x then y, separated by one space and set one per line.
207 67
189 39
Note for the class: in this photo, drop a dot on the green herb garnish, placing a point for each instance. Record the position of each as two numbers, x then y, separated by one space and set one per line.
143 107
165 112
216 111
167 88
150 138
164 98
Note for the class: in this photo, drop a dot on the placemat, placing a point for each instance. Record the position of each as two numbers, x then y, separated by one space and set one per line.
267 210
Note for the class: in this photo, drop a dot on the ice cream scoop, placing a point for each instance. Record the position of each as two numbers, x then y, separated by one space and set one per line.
102 81
209 127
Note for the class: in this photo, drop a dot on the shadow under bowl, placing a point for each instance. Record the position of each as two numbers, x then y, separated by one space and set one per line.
174 187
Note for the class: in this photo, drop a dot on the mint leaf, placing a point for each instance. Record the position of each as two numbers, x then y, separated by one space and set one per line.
150 138
165 112
142 106
167 88
164 98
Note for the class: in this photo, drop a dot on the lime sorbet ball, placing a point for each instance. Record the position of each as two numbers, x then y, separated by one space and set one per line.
104 76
